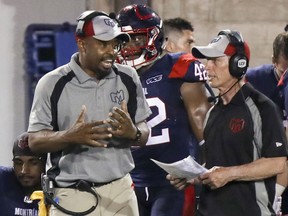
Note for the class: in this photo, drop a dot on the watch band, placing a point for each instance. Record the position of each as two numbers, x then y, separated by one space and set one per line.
138 134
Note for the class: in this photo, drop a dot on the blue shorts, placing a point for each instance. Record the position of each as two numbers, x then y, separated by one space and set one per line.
160 201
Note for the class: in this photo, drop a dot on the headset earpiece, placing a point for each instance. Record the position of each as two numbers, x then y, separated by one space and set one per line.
84 17
239 62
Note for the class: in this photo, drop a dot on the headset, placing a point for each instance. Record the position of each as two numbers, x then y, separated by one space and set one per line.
239 62
84 17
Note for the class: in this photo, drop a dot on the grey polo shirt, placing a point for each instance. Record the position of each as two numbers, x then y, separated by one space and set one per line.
57 103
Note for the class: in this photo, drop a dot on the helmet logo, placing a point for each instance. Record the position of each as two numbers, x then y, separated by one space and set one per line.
142 17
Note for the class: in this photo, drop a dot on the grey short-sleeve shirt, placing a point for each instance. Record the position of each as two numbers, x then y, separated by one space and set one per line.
74 88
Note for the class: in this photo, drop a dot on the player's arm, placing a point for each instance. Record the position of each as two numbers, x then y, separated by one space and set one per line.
196 104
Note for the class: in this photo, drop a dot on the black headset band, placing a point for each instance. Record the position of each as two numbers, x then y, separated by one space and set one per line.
84 17
238 62
88 15
236 39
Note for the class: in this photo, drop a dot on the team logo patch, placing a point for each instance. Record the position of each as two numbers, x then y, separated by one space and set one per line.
117 97
236 125
154 79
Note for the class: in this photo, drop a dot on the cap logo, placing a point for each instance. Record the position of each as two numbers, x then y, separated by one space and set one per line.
109 22
215 40
23 143
242 63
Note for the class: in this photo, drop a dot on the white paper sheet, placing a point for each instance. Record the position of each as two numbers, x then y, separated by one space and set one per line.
187 168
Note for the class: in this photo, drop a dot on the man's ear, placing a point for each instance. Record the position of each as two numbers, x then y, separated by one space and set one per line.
81 45
169 46
274 60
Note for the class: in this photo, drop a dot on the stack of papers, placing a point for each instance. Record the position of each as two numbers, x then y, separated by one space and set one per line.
187 168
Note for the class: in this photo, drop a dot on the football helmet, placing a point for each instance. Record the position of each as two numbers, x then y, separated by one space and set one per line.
137 21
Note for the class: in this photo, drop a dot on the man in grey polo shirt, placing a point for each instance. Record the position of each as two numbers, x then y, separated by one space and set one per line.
86 115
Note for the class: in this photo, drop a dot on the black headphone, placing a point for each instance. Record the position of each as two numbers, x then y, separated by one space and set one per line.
239 62
84 17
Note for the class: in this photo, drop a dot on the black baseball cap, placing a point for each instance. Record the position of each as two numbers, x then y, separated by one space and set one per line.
21 147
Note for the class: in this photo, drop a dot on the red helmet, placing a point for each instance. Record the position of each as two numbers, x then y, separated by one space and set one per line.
141 19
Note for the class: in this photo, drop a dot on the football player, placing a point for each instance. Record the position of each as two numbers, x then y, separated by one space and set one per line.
174 87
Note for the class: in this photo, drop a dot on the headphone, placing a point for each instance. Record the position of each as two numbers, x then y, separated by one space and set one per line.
84 17
239 62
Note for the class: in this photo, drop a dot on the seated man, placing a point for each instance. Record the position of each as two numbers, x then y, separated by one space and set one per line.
18 182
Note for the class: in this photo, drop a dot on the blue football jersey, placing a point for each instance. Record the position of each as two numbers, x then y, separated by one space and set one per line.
13 200
170 132
283 86
263 79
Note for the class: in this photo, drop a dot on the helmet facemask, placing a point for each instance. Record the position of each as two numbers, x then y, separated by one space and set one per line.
140 53
141 19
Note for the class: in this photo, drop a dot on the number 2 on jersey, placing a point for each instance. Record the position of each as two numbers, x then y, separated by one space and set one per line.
160 117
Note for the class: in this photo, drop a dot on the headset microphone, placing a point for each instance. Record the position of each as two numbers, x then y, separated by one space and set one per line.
213 99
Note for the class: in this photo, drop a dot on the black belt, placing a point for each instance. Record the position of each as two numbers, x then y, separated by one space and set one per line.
90 184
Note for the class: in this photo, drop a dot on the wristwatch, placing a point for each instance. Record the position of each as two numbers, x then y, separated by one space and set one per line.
138 134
